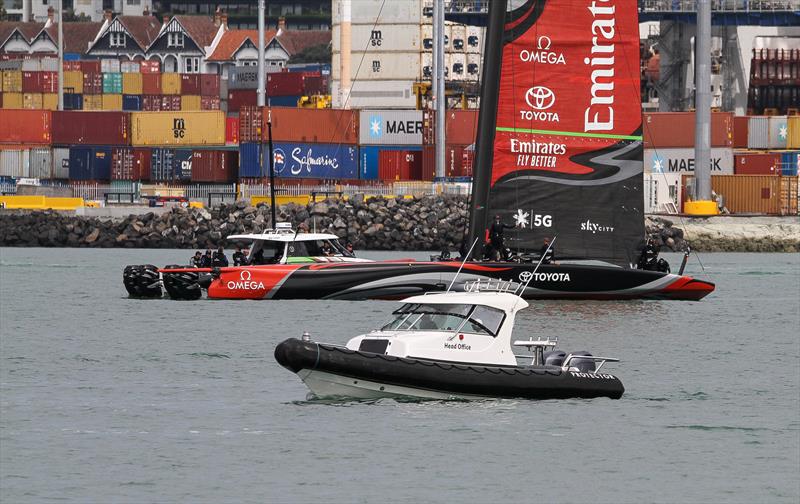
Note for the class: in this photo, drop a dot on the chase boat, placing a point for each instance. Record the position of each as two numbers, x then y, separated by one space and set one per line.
451 345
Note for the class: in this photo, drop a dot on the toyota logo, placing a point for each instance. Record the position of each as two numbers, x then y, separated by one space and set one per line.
543 43
525 276
540 98
245 276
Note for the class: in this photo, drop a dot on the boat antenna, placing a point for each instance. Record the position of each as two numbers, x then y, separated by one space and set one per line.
533 274
466 257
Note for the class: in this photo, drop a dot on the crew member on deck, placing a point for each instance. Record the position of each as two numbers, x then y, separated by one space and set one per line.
206 260
197 259
547 252
239 257
219 260
349 249
496 239
327 250
649 257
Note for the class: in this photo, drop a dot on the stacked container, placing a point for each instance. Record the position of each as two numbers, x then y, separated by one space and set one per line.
669 139
774 81
177 128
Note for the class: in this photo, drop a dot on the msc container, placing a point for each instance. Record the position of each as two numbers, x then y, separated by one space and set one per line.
461 126
73 101
92 83
391 127
109 66
151 103
150 67
231 131
756 163
676 129
171 83
91 66
250 161
132 83
151 84
190 102
238 98
161 165
190 84
92 102
182 165
250 124
90 163
682 160
12 101
283 101
170 103
210 103
12 81
400 165
112 102
131 103
214 165
209 85
128 163
73 82
243 78
25 127
790 163
177 128
771 195
793 127
112 83
39 82
313 125
91 128
60 162
41 163
324 161
14 163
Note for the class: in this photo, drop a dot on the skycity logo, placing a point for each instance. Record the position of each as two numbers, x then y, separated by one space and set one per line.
599 115
595 228
245 282
542 53
539 99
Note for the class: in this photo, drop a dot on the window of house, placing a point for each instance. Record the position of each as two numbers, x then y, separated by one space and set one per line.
175 39
117 39
191 64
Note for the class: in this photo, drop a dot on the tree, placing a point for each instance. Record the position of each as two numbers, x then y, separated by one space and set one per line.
3 13
314 54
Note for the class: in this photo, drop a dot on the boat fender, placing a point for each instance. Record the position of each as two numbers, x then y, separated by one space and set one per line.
295 355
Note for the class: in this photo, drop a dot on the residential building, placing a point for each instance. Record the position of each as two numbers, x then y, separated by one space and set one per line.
299 15
36 10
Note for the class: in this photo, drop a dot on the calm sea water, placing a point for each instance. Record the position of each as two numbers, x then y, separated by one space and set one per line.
107 399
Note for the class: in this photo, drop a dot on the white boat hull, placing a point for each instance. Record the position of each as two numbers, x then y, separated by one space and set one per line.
329 385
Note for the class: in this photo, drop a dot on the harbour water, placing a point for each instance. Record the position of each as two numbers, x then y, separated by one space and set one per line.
108 399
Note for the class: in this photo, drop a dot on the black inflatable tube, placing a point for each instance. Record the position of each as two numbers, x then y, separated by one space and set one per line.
539 382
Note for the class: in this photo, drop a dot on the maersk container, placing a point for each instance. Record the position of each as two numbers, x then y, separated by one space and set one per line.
250 161
778 132
131 103
324 161
682 160
90 163
369 156
768 132
182 165
221 166
390 127
91 128
161 165
60 162
790 163
243 78
14 163
178 128
40 163
112 83
793 126
25 127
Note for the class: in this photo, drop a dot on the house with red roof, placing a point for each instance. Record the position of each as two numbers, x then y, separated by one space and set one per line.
124 37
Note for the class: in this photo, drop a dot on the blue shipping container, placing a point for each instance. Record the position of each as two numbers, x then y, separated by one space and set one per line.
250 160
325 161
283 101
322 68
368 164
790 163
131 102
90 163
182 165
161 165
73 101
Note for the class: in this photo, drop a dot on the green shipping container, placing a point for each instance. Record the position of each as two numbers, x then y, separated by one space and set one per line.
112 83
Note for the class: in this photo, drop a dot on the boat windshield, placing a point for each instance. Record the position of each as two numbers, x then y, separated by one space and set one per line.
446 317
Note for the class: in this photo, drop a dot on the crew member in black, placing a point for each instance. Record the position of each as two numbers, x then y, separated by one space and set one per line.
496 239
219 260
239 257
327 250
547 252
349 249
649 258
206 260
197 260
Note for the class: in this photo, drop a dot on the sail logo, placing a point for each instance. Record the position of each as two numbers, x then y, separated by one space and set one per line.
531 220
539 99
245 282
595 228
542 54
599 115
533 154
375 127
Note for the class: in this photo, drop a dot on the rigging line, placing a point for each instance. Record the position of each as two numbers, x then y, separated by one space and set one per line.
466 257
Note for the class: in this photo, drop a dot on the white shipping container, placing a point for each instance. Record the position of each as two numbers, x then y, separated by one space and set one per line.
778 132
427 33
458 32
682 161
474 66
456 65
474 34
390 127
109 66
41 163
31 65
383 94
394 11
758 132
60 163
383 37
383 66
14 163
661 192
130 67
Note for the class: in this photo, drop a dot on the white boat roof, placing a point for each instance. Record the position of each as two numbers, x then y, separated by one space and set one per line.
505 301
284 237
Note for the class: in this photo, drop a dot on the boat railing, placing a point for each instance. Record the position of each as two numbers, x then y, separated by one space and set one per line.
602 360
493 285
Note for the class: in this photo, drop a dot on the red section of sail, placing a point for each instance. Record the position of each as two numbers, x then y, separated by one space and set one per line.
573 77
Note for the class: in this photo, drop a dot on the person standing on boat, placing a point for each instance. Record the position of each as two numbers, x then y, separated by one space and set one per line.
547 252
239 257
649 255
205 261
496 239
219 260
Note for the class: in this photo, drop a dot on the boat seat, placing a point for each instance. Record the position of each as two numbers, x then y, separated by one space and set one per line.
554 357
583 365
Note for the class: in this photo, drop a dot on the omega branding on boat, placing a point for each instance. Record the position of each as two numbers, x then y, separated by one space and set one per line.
542 54
245 282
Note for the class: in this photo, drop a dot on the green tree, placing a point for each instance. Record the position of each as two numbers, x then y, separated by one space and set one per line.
314 54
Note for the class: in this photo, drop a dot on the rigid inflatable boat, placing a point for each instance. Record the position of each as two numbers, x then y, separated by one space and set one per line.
448 346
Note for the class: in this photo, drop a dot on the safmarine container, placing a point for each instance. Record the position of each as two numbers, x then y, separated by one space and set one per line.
790 163
132 84
400 165
209 85
41 163
25 127
151 84
182 165
131 103
676 129
756 163
14 162
312 125
390 127
323 161
177 128
215 166
250 161
112 83
161 165
91 128
90 163
128 163
682 160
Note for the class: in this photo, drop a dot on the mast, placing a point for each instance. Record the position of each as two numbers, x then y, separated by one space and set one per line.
261 93
487 118
440 102
60 19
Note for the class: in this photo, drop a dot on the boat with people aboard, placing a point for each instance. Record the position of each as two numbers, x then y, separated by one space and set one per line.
450 345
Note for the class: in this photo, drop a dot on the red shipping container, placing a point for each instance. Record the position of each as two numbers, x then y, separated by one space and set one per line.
312 125
171 103
400 165
90 66
468 160
461 126
72 66
151 84
214 166
25 126
285 83
209 85
150 67
238 98
740 128
76 127
315 84
232 131
40 82
676 129
128 163
756 163
190 84
92 83
453 161
250 124
209 102
151 103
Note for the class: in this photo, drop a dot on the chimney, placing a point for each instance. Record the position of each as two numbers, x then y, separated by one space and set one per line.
165 18
108 15
51 12
146 11
223 18
281 24
217 20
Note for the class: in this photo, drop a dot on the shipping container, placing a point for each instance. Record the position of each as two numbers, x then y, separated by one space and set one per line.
150 67
682 160
91 128
14 163
461 126
790 163
190 102
41 163
109 66
313 125
740 126
324 161
391 127
132 83
171 83
12 101
283 101
50 101
384 36
92 83
32 101
453 162
40 82
676 129
316 85
112 83
220 166
250 161
130 67
25 127
210 103
12 81
243 78
209 85
190 84
90 163
112 102
170 103
182 165
151 103
250 124
285 84
385 65
60 162
177 128
161 165
231 130
92 102
73 101
72 66
756 163
400 165
73 82
753 194
151 84
128 163
369 155
793 127
238 98
91 66
131 103
767 132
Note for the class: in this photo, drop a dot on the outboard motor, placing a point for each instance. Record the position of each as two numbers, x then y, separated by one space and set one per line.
554 357
583 365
